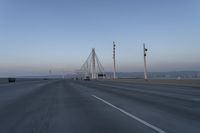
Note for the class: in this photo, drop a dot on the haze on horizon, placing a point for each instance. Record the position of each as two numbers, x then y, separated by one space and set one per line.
41 35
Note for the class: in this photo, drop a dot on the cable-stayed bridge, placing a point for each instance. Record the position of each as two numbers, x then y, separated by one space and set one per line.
92 68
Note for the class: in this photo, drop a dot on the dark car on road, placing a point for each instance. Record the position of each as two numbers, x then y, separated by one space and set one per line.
87 78
11 80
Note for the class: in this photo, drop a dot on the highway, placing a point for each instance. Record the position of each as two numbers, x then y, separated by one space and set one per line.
68 106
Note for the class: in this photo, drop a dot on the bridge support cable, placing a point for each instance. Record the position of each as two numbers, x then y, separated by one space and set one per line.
92 67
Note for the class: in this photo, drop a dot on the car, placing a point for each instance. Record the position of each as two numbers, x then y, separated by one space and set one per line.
11 80
87 78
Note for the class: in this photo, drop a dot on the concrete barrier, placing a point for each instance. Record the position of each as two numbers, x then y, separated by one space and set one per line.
3 80
6 80
183 82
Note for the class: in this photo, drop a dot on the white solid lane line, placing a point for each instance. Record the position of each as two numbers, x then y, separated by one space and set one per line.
132 116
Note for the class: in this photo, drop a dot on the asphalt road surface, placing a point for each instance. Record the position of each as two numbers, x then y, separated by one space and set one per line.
66 106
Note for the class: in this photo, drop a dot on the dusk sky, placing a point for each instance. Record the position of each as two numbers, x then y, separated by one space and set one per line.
41 35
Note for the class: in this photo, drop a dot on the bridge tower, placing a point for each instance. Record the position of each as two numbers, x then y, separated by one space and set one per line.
94 73
92 67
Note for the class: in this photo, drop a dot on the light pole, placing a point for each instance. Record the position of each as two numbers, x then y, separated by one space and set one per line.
145 64
114 63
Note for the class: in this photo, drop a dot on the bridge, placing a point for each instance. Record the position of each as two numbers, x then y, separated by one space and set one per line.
92 68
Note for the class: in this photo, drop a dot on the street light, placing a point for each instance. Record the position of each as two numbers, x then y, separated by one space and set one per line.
114 63
145 64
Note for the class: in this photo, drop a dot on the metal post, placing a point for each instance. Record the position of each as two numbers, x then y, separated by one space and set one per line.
114 63
145 64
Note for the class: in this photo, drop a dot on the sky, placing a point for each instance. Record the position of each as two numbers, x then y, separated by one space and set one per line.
41 35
